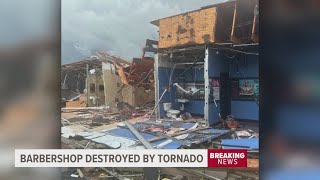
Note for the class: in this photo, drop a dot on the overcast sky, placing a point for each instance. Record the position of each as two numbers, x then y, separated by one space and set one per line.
119 27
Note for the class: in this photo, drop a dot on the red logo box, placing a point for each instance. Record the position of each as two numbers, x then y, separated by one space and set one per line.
227 158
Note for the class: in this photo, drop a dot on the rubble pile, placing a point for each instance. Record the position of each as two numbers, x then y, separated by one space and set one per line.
107 128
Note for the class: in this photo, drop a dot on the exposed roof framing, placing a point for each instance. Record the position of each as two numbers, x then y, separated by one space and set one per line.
104 57
94 61
81 65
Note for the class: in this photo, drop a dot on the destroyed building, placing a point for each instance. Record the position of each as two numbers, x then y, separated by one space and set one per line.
205 80
128 82
95 86
103 79
211 55
76 77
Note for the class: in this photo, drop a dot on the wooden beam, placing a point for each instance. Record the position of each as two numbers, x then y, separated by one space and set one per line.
138 135
234 22
254 33
242 24
185 143
114 174
175 134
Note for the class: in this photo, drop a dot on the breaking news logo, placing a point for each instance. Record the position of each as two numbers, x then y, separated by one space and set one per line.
225 158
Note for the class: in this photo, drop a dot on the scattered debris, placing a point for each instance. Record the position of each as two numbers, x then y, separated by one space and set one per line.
80 173
114 174
124 107
138 135
185 116
231 122
106 100
200 174
250 144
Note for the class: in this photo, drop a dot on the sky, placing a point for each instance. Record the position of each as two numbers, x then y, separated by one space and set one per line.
119 27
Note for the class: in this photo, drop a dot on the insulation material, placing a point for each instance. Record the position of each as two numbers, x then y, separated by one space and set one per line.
253 164
81 102
138 73
122 75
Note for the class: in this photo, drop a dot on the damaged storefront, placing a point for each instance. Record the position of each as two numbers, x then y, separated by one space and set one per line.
199 91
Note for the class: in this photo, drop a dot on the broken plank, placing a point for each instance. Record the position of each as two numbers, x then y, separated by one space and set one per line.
83 108
201 174
230 145
138 135
247 174
80 173
114 174
175 134
210 138
174 172
129 175
185 143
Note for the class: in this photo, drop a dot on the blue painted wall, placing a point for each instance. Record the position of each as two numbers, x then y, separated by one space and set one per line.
195 107
164 76
247 66
244 66
217 64
248 110
194 74
240 66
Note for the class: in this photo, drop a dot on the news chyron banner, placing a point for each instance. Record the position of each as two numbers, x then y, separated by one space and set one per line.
214 158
